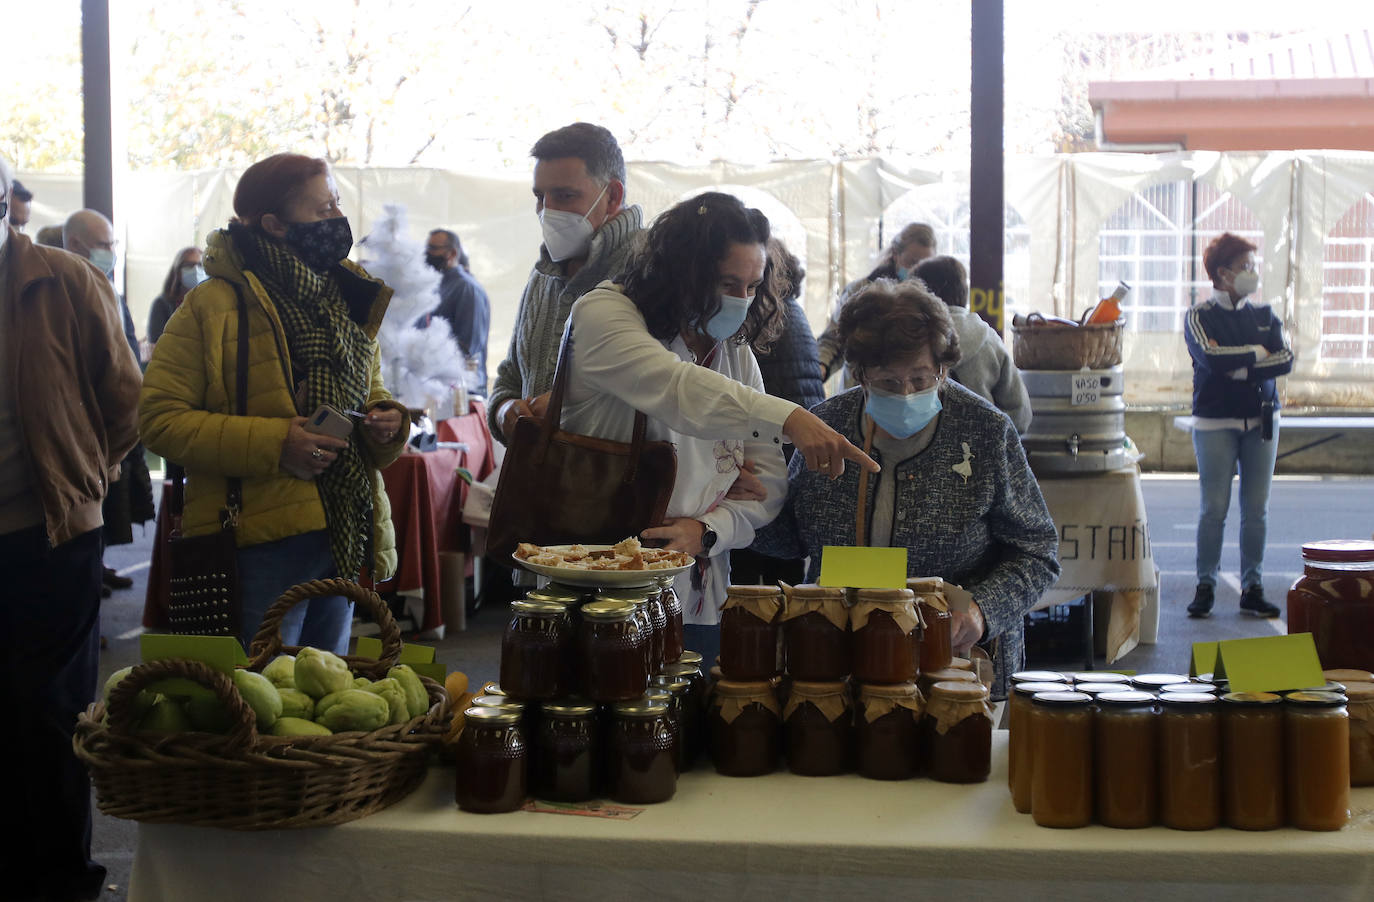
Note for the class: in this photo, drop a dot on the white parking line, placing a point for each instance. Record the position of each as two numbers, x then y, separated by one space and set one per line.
134 568
129 634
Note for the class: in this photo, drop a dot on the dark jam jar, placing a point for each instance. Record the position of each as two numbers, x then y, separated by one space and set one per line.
1334 601
685 711
749 633
611 650
958 732
672 610
888 724
693 708
815 634
652 630
661 694
640 764
937 645
818 731
491 761
887 636
537 650
744 723
567 753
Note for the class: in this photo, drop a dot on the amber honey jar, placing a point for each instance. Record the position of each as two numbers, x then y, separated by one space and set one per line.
937 636
651 629
749 633
815 633
1252 760
887 636
1316 749
744 723
1020 736
957 732
1334 601
614 666
1189 761
1062 759
641 760
491 761
672 610
538 650
888 727
566 757
1124 759
818 731
1360 705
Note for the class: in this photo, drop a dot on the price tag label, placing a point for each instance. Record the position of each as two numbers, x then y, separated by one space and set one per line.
1086 390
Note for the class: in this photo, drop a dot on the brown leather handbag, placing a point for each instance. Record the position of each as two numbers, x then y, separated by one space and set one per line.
557 488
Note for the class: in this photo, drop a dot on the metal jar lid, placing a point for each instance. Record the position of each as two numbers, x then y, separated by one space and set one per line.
568 707
1062 698
538 607
1126 698
608 610
640 707
501 716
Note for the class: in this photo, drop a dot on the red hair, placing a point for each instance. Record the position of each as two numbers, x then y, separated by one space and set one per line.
269 185
1224 250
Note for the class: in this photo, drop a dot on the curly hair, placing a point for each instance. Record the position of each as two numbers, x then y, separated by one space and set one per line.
887 322
673 275
1224 250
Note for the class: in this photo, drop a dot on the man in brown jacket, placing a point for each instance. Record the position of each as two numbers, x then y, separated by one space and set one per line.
68 413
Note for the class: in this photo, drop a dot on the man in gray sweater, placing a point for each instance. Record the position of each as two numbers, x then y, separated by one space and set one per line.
579 192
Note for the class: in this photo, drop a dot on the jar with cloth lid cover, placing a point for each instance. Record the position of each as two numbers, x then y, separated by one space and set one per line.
744 724
749 633
958 732
815 633
1360 705
887 635
888 724
817 729
937 635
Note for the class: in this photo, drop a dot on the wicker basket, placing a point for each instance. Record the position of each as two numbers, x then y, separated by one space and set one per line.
1041 345
244 780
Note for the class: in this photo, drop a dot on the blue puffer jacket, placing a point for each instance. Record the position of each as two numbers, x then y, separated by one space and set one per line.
989 532
791 366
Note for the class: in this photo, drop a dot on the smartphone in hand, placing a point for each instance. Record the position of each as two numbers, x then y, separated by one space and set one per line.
327 420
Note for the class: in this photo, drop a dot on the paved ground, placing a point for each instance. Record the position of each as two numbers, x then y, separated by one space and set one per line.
1301 509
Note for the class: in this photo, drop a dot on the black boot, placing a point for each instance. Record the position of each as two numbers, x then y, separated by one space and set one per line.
1253 602
1203 599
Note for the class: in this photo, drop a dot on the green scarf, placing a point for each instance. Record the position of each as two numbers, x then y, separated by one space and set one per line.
335 356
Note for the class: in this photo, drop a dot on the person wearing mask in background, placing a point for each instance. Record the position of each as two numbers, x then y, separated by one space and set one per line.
913 244
88 234
462 302
790 370
314 506
1238 350
671 338
985 367
579 197
955 490
68 414
186 273
21 205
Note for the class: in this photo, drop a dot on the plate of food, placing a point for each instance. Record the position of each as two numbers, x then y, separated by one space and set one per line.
626 563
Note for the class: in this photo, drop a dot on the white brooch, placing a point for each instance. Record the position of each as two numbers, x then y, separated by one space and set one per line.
963 467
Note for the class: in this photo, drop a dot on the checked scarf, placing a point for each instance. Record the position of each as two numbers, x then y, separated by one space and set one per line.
335 356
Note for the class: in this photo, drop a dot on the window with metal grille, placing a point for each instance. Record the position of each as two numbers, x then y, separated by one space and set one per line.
1348 286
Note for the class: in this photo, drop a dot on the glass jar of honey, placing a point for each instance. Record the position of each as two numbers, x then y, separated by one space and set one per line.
651 629
1316 728
815 633
538 650
888 725
1189 761
957 732
818 731
491 761
749 633
614 666
641 760
565 758
1061 759
744 722
1360 705
1252 760
887 636
1334 601
1124 758
1020 738
672 629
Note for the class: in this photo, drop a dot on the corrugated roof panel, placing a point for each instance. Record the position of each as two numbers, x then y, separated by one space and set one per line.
1343 53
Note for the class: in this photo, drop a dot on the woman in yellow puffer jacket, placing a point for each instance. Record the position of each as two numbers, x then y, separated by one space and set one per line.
313 505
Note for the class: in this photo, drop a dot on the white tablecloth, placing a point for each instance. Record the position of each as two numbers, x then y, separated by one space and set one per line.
757 839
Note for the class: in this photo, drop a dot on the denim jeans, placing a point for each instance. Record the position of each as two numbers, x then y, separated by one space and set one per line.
269 569
1219 452
703 638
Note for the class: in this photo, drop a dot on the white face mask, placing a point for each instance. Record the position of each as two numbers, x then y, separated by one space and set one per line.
192 275
1245 282
568 235
103 259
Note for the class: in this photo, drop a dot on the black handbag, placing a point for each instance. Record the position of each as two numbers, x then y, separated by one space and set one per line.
204 597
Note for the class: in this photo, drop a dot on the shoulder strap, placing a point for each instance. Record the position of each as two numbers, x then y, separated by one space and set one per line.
553 417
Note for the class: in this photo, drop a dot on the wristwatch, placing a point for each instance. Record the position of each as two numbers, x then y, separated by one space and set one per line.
708 540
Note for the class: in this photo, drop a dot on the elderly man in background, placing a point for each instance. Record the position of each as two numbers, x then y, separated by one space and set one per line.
68 414
579 197
462 302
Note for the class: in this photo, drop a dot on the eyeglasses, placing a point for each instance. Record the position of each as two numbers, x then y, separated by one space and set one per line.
4 208
911 383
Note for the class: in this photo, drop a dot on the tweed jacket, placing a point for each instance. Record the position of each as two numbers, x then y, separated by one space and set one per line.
968 509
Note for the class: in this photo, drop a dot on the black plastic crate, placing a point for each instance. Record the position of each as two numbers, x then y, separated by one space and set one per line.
1060 634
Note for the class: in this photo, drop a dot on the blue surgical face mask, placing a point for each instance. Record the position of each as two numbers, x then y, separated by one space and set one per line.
902 273
192 274
729 318
902 416
104 259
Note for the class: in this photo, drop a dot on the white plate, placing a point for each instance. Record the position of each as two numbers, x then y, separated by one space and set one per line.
597 579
